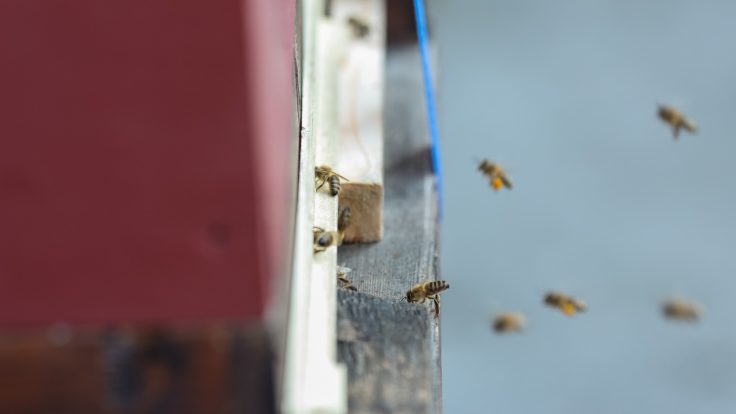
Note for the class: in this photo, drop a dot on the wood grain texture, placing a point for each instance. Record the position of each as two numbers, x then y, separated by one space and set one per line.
387 347
366 204
360 115
391 348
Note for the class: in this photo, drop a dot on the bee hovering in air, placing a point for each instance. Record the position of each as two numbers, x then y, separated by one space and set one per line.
342 280
427 290
324 239
343 221
676 120
567 304
360 28
496 175
325 174
681 310
509 322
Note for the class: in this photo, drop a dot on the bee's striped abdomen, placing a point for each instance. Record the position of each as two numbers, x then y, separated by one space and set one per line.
437 286
334 185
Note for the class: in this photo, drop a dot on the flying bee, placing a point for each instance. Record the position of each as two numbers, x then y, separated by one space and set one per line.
509 322
323 239
682 310
342 280
343 221
567 304
495 174
324 174
427 290
676 120
360 28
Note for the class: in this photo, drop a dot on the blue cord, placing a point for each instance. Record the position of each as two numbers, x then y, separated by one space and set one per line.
434 133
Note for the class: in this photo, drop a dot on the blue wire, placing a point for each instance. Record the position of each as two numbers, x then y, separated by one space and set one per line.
434 133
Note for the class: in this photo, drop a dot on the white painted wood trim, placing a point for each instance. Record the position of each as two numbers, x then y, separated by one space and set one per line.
360 115
313 381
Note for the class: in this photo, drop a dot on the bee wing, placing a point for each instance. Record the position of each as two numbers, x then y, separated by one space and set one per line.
506 182
689 125
341 177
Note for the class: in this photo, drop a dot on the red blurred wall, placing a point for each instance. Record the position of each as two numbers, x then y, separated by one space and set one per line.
132 136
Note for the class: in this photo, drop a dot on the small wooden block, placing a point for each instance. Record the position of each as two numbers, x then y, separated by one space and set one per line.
366 206
360 116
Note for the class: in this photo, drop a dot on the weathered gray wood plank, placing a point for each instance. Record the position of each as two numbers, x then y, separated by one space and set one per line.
408 252
387 347
391 348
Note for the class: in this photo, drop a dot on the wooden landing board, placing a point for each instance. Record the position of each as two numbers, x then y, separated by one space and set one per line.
382 342
360 115
377 334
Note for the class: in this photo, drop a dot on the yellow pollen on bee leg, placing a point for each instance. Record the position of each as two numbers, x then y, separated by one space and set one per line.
496 183
568 309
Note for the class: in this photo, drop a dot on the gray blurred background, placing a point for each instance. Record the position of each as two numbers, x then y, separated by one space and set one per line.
606 206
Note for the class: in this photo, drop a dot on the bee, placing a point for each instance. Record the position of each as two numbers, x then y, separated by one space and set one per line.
676 120
324 174
323 239
427 290
360 28
495 174
343 220
682 310
342 280
509 322
567 304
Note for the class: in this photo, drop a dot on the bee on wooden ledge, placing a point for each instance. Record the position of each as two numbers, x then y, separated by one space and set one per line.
343 221
325 174
359 27
427 290
324 239
342 279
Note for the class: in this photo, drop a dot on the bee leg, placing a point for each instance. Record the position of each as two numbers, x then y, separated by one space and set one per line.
435 300
322 182
346 283
506 182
